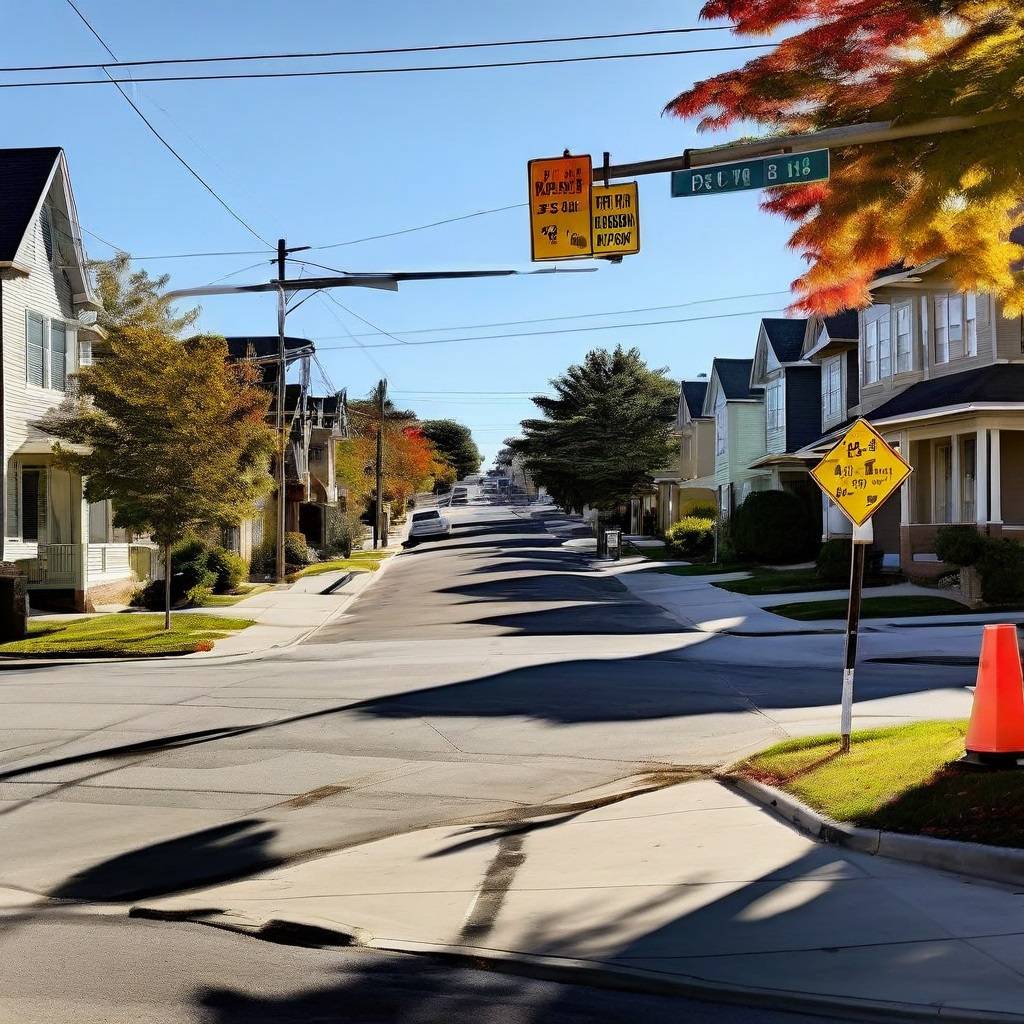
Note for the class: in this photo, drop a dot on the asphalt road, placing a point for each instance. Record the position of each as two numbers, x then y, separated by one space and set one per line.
121 971
492 672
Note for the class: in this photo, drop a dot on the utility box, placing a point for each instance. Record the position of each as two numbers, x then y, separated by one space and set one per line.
613 544
13 602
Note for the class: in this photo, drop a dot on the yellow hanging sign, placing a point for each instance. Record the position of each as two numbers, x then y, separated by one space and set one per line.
560 207
861 472
615 227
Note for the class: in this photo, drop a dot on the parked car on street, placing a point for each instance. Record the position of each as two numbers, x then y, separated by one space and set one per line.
460 496
428 523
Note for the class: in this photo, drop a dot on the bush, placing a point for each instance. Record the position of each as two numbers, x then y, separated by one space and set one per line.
773 527
189 570
1001 568
692 537
833 561
296 550
959 545
345 531
703 512
230 570
263 557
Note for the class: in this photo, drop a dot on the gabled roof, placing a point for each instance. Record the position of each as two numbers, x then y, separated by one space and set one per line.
1001 383
845 325
786 337
24 177
734 378
693 392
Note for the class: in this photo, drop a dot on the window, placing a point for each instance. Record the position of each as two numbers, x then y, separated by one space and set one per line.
904 338
31 503
971 302
46 352
949 328
99 522
35 350
773 401
884 347
832 388
871 352
968 478
720 414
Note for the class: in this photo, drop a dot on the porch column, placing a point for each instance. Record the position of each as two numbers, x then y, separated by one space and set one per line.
955 506
995 514
981 476
905 487
80 538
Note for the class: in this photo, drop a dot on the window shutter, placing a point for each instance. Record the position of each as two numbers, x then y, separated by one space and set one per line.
35 345
43 506
58 355
13 505
47 229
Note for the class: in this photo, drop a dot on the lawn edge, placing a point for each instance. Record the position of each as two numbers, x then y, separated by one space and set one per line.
992 863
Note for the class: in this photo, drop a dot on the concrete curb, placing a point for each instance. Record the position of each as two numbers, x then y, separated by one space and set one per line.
992 863
314 931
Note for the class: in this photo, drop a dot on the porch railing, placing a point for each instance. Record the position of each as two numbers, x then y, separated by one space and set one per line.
54 563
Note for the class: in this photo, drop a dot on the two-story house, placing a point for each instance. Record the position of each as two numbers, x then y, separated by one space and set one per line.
739 428
941 375
692 483
69 548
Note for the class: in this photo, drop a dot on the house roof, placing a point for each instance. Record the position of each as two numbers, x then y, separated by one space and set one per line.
734 378
786 337
1000 383
24 174
845 325
693 392
264 346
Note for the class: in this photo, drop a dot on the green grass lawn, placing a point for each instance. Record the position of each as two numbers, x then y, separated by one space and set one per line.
705 569
244 591
125 635
361 561
658 553
871 608
774 581
899 779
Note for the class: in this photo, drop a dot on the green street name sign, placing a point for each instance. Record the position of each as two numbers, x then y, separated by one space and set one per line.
764 172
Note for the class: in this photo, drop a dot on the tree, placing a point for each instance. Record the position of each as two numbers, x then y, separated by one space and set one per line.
176 435
134 299
607 428
454 442
955 196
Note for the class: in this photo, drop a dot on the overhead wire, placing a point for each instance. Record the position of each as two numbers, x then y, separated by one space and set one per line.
149 124
408 69
318 54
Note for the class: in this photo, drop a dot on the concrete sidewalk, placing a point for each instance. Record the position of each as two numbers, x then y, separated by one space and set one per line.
689 887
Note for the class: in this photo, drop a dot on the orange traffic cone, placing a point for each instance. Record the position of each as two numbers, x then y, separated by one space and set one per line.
995 736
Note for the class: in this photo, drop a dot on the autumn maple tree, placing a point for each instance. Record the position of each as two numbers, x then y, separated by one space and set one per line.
955 196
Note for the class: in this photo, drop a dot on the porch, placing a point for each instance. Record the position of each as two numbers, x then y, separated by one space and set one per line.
60 566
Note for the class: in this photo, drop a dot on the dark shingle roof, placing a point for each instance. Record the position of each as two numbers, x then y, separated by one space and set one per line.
1003 382
734 376
693 395
263 346
845 325
23 175
786 337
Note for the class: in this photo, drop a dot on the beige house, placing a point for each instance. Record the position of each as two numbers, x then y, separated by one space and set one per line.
694 480
69 548
941 375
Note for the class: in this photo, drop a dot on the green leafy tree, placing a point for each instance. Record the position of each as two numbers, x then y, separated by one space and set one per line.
608 426
454 443
173 434
134 299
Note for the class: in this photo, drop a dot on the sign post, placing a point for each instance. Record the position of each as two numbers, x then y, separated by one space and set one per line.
858 475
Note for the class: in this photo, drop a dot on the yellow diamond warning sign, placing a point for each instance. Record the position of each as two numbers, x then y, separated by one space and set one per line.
861 472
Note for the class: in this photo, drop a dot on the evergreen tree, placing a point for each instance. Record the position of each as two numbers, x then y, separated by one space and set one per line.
607 428
954 196
454 443
175 435
134 299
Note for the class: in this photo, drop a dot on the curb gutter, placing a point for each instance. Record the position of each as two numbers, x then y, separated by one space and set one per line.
318 932
992 863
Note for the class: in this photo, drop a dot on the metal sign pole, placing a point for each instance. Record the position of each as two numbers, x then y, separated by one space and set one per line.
862 537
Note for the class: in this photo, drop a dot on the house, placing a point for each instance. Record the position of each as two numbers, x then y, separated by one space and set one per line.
313 425
735 406
940 374
71 551
692 480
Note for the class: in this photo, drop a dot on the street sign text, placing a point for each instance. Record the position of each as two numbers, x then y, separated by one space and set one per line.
560 207
764 172
615 212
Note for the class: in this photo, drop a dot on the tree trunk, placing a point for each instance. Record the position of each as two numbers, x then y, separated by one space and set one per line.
167 586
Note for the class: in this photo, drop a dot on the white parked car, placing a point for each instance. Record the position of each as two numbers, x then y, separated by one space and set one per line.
460 496
428 523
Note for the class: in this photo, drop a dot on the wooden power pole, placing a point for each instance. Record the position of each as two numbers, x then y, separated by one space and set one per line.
378 512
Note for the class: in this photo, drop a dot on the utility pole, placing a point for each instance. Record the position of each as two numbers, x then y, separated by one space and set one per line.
282 255
378 511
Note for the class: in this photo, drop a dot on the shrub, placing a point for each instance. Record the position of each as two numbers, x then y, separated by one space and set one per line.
230 570
263 557
959 545
692 537
833 561
1001 568
296 550
703 512
189 569
773 527
345 531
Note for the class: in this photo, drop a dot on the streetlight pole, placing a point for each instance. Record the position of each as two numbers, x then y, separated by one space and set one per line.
279 567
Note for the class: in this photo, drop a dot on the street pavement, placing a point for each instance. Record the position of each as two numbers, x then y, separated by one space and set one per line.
494 671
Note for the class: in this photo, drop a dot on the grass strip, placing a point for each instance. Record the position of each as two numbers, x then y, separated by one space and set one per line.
871 608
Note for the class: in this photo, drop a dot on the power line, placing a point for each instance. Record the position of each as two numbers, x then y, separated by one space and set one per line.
369 355
149 124
307 54
581 316
566 330
409 69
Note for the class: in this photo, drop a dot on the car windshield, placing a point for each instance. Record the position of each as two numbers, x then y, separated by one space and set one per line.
417 516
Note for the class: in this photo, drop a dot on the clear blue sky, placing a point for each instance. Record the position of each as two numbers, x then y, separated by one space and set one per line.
330 159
